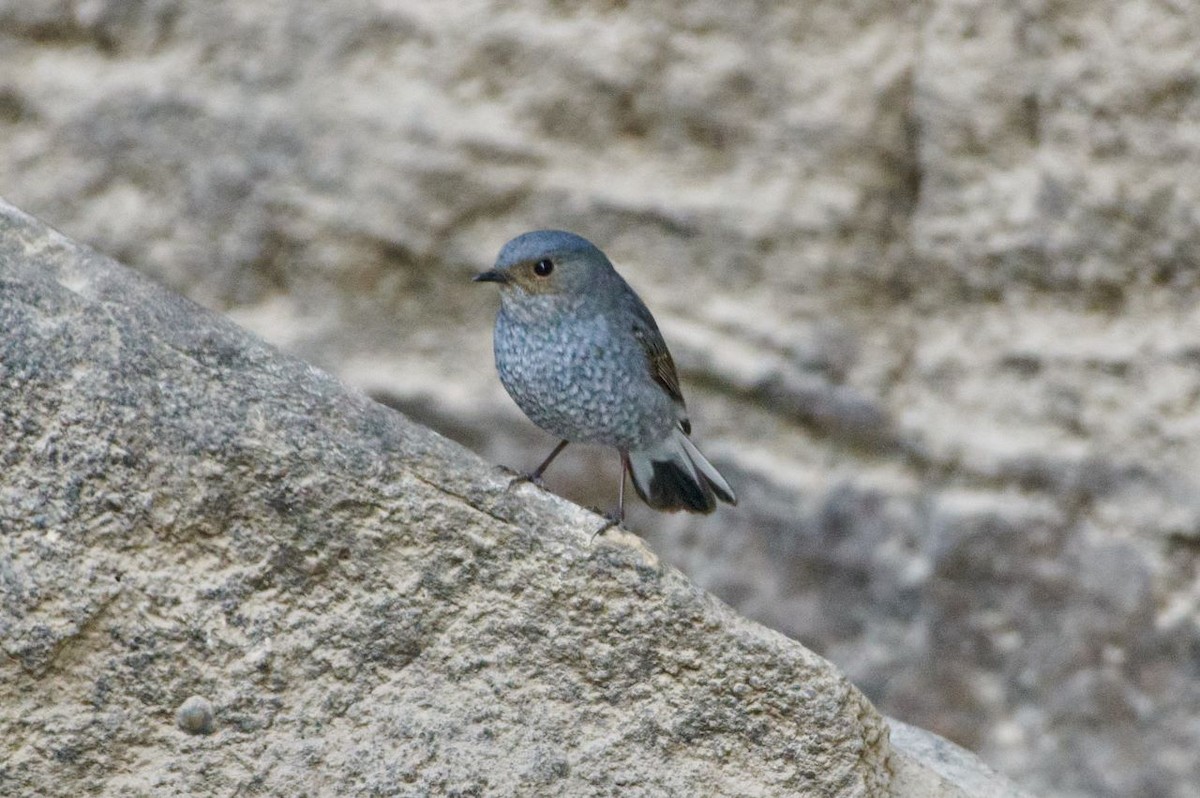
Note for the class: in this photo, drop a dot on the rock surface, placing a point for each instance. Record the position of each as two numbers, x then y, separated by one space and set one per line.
225 573
929 271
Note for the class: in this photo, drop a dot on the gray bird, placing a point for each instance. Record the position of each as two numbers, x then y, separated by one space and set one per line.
580 354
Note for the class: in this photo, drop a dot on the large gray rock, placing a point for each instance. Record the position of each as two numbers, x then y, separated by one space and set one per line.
929 271
224 573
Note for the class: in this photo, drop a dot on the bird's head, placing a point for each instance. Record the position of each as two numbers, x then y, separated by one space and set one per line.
547 264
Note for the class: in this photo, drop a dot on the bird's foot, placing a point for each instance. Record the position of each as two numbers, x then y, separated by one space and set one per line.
611 520
533 479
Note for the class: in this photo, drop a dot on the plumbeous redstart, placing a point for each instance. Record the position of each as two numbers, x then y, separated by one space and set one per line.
581 355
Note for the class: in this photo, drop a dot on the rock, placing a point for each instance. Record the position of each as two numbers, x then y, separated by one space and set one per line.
187 512
928 270
195 715
957 771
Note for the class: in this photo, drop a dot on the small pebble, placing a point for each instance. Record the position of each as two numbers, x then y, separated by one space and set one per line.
195 716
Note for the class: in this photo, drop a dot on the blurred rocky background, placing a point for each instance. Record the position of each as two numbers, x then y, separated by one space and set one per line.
931 273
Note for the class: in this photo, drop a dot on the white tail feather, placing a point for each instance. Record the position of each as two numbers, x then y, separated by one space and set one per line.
708 470
674 475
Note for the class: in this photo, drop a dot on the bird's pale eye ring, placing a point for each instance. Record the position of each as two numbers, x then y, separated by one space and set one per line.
543 267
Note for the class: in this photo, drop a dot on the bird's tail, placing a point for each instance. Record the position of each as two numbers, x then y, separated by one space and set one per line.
673 475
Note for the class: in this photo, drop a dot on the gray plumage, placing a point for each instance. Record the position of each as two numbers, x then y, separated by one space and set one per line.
581 355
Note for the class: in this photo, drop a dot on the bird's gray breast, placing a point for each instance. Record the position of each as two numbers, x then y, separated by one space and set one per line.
579 378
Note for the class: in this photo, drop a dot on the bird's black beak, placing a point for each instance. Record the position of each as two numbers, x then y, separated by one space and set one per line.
491 276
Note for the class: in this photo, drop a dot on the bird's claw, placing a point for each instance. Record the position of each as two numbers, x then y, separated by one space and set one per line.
533 479
610 520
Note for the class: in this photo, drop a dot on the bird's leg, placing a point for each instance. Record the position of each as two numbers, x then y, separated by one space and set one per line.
536 476
619 518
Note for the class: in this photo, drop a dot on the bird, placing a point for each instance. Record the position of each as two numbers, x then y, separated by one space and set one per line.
582 357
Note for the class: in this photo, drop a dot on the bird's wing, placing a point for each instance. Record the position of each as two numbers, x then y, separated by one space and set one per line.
658 358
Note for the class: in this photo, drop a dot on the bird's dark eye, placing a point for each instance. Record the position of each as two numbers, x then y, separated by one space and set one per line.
543 267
